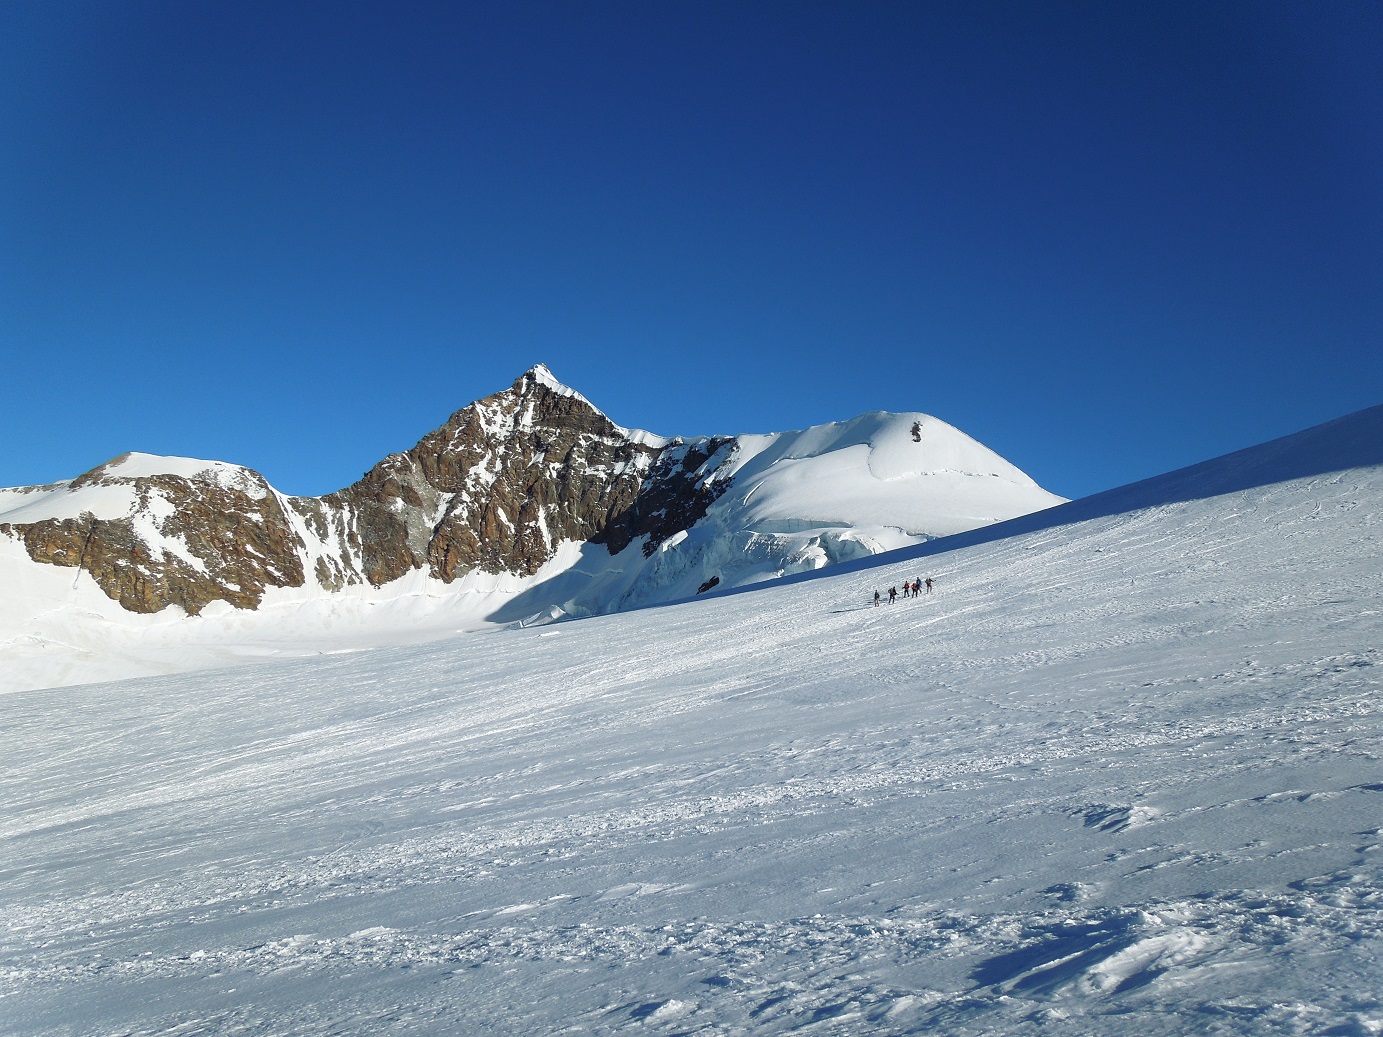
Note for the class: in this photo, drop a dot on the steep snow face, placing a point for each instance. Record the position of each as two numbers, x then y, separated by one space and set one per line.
1118 775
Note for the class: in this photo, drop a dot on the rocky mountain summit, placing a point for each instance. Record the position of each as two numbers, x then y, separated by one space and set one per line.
503 483
528 488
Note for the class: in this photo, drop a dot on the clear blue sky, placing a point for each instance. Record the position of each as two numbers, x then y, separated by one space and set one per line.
1105 239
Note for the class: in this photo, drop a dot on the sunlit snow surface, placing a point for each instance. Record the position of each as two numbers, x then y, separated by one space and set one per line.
1115 776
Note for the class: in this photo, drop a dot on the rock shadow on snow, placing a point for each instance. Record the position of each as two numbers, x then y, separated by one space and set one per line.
1056 958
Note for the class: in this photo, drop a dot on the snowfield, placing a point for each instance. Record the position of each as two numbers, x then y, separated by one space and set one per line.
1122 773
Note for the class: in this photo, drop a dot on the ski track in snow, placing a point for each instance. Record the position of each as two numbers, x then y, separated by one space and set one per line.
1118 777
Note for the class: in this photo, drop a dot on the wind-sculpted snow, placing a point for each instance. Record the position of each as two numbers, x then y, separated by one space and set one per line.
1116 776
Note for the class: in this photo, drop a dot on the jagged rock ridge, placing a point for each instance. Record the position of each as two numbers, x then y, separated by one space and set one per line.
496 488
506 480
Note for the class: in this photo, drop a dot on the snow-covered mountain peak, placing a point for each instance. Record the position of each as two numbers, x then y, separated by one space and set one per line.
541 375
912 472
899 446
135 465
528 502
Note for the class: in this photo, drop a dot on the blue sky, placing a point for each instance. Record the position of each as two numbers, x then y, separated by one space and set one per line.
1106 240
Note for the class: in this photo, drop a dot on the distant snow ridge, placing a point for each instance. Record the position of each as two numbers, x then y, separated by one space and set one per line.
525 506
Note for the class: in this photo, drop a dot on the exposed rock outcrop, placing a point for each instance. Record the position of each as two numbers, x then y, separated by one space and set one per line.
185 540
506 480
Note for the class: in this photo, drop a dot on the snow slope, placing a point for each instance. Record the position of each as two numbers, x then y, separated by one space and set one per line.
1119 775
849 473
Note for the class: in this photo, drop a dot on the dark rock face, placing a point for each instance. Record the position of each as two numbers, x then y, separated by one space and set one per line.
510 477
495 489
676 495
525 470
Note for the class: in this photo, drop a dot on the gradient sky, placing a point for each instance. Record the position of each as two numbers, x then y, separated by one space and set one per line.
1105 239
